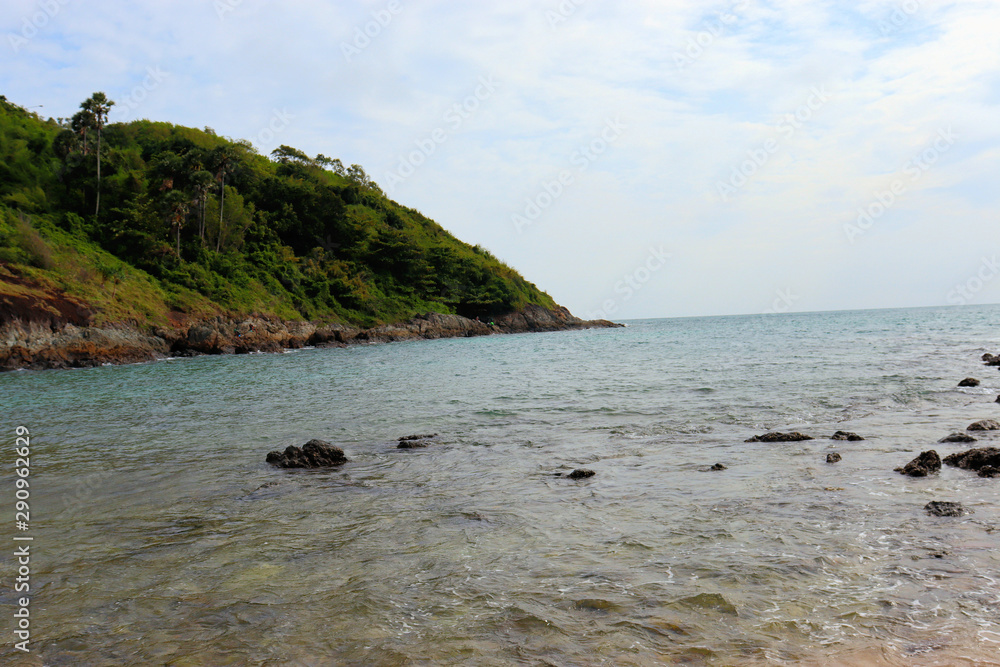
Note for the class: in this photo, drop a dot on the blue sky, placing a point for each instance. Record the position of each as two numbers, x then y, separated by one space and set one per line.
638 159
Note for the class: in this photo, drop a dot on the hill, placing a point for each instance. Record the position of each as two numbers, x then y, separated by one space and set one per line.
148 225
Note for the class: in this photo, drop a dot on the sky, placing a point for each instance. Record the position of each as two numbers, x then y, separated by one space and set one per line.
633 159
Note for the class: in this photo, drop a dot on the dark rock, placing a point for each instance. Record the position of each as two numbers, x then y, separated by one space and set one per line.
998 399
969 382
984 425
313 454
982 458
581 473
846 435
718 466
957 437
989 471
775 436
991 360
944 508
923 465
417 437
411 444
832 457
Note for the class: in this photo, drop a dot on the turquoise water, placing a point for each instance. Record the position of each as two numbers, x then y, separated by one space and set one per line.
155 543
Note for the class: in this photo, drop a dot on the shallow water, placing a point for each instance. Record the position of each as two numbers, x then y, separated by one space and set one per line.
155 542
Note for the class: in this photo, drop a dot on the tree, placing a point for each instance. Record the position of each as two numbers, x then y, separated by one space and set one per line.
333 164
176 205
98 105
81 123
201 184
113 271
285 154
225 160
232 223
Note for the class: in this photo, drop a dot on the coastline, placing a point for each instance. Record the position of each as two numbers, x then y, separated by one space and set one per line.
41 339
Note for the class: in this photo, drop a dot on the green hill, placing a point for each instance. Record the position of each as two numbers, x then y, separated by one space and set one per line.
183 220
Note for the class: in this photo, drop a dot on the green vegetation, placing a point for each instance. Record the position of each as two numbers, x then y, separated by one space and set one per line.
138 219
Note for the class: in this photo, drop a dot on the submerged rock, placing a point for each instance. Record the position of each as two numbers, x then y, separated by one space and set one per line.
926 463
957 437
414 441
984 460
718 466
984 425
944 508
969 382
846 435
775 436
313 454
581 473
411 444
832 457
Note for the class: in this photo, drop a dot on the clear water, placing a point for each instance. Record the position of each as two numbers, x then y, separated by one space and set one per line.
154 543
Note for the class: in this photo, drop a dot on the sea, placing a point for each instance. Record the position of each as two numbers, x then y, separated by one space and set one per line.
159 535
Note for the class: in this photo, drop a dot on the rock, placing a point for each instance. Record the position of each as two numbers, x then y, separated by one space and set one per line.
718 466
984 425
980 459
989 471
414 441
991 360
775 436
944 508
846 435
43 327
969 382
313 454
411 444
957 437
581 473
923 465
998 399
832 457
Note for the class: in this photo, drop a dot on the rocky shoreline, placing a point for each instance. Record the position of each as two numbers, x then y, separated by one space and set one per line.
40 338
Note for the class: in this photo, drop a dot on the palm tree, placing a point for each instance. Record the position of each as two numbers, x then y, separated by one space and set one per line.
81 123
98 105
225 157
176 203
201 182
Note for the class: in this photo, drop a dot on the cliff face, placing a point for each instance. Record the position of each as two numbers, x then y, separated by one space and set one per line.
58 334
